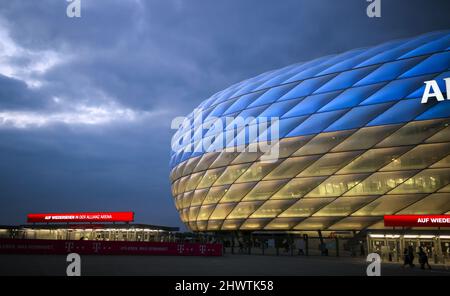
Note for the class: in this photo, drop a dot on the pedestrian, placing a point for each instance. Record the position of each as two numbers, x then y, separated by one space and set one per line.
406 260
411 256
423 259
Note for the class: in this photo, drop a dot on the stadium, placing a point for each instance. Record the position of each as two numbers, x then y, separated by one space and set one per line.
355 144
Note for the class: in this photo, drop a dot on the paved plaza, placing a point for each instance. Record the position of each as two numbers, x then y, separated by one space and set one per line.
236 265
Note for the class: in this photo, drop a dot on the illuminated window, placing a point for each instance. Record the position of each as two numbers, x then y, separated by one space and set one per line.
437 203
336 185
290 167
413 133
351 223
380 183
373 159
257 171
315 223
297 187
193 181
329 163
210 177
366 137
289 145
205 212
251 224
237 191
264 189
222 210
282 223
323 142
388 204
272 208
206 161
199 196
215 194
426 181
305 207
420 157
231 174
344 206
244 209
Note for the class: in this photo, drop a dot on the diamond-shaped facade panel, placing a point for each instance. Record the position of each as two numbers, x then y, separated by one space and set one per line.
355 143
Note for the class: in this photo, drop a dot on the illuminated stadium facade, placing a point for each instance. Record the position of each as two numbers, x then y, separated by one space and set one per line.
356 143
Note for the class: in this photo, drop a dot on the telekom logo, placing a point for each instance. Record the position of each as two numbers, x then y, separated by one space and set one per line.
69 246
180 249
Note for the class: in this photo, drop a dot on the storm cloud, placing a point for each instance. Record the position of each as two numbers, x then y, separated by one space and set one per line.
86 103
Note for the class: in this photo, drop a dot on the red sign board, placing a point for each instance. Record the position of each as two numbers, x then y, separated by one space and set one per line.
81 217
61 247
417 220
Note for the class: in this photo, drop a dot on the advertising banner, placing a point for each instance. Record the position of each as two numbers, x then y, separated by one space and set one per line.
61 247
417 220
81 217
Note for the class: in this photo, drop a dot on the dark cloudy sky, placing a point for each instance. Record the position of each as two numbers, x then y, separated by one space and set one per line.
86 103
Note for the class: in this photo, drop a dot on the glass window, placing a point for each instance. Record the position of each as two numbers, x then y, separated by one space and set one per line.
305 207
205 212
199 196
388 204
389 71
396 90
288 124
290 167
441 136
250 154
242 102
251 224
193 181
244 209
440 110
193 212
206 161
201 225
373 159
413 133
351 223
437 203
290 145
351 97
366 137
439 43
336 185
190 165
436 63
402 111
445 189
182 184
231 224
426 181
257 171
231 173
310 104
282 223
316 123
380 183
316 223
237 191
346 79
298 187
306 87
358 117
420 157
222 210
272 95
215 194
272 208
443 163
224 158
323 142
344 206
214 225
210 177
329 163
175 187
264 189
187 198
279 109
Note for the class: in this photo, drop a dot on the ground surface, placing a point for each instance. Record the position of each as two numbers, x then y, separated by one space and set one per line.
226 265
